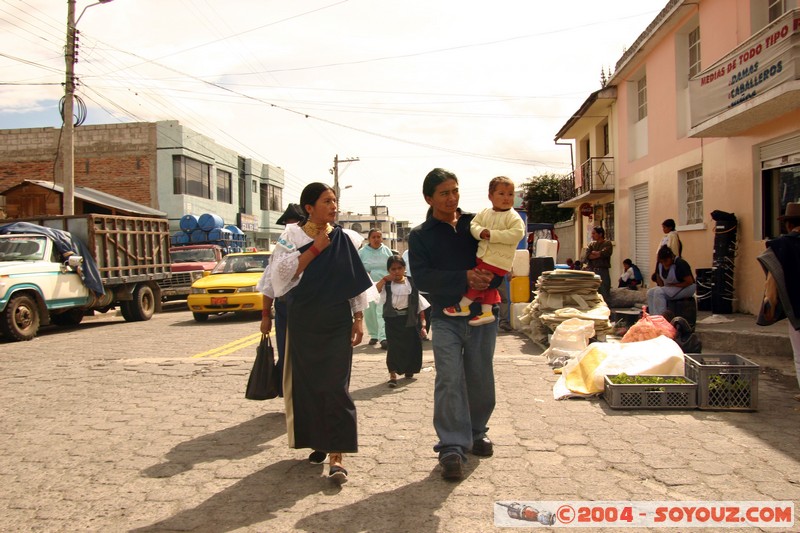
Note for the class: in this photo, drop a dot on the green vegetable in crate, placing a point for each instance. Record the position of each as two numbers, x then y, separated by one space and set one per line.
625 379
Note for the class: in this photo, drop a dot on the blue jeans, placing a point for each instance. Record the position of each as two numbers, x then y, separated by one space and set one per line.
657 297
463 397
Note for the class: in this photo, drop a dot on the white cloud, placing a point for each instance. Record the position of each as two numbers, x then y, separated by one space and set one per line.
404 78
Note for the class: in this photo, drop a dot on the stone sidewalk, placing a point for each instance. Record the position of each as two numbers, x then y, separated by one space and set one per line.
167 443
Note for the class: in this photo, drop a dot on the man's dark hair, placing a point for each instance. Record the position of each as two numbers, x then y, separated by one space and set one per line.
669 224
599 230
434 178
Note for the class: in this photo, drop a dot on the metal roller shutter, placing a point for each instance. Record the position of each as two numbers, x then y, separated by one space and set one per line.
641 230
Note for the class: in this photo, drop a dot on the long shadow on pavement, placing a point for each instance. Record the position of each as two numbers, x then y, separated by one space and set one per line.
239 441
235 442
261 497
411 507
256 498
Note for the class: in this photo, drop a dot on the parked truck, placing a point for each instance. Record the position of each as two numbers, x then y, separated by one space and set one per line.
56 269
190 262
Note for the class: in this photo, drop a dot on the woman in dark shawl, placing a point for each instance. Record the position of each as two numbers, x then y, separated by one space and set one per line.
316 265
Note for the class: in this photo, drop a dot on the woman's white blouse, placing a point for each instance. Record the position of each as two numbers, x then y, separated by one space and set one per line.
279 276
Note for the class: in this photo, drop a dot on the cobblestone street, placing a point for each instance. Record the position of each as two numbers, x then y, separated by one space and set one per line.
143 426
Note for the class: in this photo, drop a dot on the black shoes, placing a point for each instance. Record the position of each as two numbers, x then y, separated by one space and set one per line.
373 342
385 344
482 447
451 467
317 458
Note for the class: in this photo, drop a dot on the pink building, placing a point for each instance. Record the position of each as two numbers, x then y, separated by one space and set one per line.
702 114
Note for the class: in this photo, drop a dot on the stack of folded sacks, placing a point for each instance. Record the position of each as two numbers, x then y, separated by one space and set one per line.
565 294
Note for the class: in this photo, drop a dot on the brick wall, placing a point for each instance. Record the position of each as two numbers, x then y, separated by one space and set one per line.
114 158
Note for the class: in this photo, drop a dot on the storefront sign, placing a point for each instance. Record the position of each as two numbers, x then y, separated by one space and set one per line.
586 209
765 61
247 222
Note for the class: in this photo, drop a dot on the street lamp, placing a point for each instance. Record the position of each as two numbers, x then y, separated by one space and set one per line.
68 114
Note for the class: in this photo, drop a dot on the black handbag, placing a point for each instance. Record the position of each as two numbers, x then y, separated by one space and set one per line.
264 380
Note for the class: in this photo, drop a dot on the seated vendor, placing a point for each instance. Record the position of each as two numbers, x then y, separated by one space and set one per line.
675 281
631 278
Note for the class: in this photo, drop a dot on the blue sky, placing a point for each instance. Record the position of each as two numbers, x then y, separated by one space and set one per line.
478 88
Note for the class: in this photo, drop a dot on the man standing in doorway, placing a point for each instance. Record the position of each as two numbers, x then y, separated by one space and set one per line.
442 254
598 259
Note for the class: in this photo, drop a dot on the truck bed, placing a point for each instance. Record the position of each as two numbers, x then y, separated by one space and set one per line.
126 249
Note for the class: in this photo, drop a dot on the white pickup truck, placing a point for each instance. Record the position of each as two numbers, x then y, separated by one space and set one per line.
40 283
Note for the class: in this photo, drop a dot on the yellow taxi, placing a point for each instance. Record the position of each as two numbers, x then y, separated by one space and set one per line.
230 287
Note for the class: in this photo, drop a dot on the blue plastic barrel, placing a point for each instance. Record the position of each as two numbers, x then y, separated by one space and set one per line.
179 237
209 221
235 231
219 234
189 223
199 236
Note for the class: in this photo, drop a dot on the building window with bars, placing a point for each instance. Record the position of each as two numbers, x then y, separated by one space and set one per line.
275 198
641 92
271 198
191 177
694 52
693 187
224 187
609 222
776 9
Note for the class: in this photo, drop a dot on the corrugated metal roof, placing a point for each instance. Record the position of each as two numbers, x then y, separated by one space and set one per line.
98 197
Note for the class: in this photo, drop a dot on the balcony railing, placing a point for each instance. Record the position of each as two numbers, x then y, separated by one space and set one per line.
596 174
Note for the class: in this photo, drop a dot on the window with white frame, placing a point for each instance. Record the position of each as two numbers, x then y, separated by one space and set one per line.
694 52
641 92
776 9
693 193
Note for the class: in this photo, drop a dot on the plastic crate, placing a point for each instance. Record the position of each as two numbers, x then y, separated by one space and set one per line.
725 382
651 396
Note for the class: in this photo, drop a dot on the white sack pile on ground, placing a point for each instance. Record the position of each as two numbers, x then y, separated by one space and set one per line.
583 375
562 295
570 338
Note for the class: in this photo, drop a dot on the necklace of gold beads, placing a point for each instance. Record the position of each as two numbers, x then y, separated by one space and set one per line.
312 230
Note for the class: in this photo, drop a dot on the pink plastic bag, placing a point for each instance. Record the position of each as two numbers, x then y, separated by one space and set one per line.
649 327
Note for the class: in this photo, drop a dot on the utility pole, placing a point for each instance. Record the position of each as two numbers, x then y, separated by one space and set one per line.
335 172
375 208
70 58
68 117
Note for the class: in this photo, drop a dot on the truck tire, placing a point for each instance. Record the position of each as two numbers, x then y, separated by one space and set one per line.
20 321
143 304
125 310
200 317
69 318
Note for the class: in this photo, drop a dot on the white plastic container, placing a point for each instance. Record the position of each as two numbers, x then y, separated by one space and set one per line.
522 263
